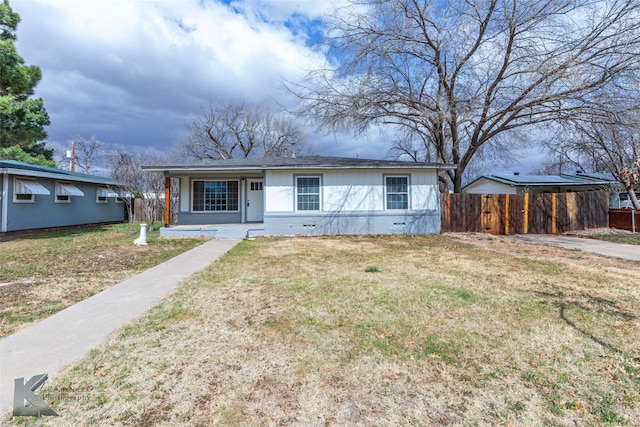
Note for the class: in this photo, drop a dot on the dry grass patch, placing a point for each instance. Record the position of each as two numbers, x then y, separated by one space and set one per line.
43 273
305 332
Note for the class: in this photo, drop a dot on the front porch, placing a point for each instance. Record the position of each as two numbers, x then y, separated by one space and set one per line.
215 231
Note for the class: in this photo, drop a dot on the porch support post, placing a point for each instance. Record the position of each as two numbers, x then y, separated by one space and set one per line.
167 201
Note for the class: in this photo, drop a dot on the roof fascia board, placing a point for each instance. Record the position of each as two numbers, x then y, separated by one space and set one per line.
187 169
501 180
60 176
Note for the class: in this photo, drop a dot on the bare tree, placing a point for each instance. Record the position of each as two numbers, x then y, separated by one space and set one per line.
236 130
607 143
86 152
465 74
126 167
127 171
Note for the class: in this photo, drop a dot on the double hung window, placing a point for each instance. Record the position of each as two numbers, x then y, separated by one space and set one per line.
397 192
308 193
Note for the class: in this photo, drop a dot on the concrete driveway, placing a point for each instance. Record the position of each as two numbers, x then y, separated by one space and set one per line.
616 250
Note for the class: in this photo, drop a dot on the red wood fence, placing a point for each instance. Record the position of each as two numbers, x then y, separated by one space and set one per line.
624 219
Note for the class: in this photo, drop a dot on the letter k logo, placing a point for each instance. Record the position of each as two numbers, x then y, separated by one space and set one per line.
25 392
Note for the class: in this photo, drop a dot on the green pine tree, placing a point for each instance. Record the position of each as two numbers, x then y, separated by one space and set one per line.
22 119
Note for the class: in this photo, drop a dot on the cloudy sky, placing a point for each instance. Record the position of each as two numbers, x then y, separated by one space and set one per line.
133 72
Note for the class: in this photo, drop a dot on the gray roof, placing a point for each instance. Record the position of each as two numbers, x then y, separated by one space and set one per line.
27 169
541 180
306 162
595 175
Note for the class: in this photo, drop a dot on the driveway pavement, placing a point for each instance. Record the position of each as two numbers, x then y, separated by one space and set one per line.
616 250
59 340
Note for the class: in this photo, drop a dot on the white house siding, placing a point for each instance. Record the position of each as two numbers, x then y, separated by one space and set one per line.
350 190
485 186
352 202
425 192
278 191
185 194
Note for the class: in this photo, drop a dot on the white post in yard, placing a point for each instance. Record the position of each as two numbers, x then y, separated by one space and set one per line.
142 240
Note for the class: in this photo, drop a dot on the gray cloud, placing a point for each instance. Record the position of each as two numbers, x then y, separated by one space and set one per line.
132 72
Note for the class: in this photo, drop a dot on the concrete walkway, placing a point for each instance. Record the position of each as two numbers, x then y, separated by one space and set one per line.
63 338
616 250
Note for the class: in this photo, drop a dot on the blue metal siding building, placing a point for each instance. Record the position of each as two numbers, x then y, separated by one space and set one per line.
36 197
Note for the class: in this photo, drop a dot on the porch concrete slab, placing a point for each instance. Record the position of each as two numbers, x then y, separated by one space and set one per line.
602 247
218 231
59 340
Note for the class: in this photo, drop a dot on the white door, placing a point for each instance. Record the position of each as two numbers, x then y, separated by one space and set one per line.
255 200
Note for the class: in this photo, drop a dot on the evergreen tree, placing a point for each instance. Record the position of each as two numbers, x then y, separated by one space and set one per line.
22 119
22 155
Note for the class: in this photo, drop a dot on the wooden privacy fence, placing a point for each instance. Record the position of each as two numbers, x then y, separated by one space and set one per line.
546 213
141 213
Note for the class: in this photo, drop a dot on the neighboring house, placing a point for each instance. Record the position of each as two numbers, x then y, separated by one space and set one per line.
306 196
36 197
520 184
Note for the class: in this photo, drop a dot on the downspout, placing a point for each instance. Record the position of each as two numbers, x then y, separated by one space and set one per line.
5 200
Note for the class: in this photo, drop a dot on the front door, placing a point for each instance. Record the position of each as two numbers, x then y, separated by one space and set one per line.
255 200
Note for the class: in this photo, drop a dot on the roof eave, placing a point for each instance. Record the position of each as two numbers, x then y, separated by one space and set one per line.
58 176
205 168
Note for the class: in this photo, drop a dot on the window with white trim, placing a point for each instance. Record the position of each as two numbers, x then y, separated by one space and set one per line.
397 192
308 193
214 196
64 191
103 193
25 190
24 198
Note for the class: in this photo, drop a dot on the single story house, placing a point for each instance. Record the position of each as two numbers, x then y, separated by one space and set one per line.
520 184
38 197
304 196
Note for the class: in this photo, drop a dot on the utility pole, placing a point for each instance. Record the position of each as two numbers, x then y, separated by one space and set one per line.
71 155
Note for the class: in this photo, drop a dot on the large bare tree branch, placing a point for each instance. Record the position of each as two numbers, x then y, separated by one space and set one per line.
236 130
463 73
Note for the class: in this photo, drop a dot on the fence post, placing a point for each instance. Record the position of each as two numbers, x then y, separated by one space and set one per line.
554 214
506 215
526 213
